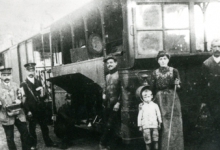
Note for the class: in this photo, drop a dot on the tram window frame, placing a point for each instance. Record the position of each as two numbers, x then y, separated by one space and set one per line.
162 29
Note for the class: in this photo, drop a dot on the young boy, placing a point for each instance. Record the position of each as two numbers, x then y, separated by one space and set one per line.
149 119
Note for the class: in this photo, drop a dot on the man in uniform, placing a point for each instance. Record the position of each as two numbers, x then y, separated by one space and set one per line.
211 81
111 101
34 106
8 95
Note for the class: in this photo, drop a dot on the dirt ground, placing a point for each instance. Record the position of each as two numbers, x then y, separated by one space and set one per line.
88 140
82 143
84 140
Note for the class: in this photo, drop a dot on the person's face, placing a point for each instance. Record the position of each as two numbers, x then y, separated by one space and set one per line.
147 96
216 48
111 64
163 61
31 73
6 78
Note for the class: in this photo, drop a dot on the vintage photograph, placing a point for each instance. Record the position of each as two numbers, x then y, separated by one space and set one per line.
110 74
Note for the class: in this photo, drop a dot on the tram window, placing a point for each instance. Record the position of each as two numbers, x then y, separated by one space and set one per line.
94 22
145 20
173 35
79 51
67 43
41 56
199 28
56 46
176 16
206 24
30 52
113 25
212 22
177 40
6 57
79 33
2 60
149 42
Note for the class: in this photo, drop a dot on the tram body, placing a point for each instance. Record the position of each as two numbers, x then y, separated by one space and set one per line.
134 31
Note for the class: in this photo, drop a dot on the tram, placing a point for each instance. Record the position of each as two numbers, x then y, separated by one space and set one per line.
134 31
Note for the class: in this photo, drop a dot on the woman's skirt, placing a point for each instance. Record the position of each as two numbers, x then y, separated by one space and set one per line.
165 100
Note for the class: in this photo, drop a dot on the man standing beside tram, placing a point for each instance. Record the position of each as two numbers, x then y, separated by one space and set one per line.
9 93
211 84
111 101
35 109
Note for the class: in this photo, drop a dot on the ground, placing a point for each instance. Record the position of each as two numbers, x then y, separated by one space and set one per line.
88 140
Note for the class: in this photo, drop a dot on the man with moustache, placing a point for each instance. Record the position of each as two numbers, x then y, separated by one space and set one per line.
9 93
211 82
111 101
34 106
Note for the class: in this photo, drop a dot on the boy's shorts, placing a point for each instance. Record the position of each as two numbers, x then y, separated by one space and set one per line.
150 134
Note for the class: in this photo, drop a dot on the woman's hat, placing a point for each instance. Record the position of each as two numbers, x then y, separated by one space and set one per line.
162 54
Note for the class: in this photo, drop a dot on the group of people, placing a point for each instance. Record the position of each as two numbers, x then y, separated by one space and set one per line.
159 112
31 96
160 116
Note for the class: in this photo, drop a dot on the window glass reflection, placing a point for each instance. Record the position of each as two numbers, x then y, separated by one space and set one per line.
176 16
177 40
149 42
149 17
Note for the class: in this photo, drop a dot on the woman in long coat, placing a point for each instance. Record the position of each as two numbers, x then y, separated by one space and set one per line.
163 81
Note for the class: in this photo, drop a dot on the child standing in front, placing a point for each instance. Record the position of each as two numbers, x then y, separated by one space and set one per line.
149 119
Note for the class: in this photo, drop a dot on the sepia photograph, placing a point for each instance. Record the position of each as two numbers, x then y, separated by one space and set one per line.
110 74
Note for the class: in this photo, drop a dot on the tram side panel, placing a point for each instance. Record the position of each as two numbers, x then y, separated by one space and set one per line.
13 51
22 60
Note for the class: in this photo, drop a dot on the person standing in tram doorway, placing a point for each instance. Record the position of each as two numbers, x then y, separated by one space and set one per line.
34 106
111 102
211 86
165 80
9 93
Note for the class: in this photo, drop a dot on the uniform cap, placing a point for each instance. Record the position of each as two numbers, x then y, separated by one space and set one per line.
6 71
30 66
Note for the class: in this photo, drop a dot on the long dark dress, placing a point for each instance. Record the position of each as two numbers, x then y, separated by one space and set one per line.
163 85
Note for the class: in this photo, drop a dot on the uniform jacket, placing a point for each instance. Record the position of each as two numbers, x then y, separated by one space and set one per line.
8 93
149 115
35 106
112 89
